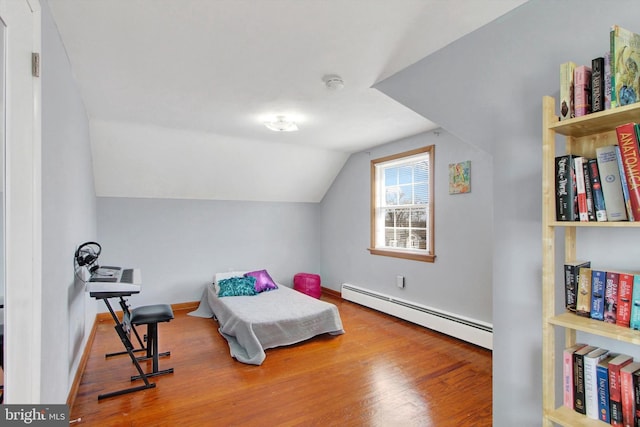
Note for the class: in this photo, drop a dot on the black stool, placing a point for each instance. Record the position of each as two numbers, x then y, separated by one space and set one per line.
151 315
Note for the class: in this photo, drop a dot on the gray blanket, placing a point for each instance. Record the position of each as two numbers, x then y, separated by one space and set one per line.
252 324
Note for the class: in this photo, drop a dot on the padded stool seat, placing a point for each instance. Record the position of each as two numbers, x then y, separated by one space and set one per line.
151 315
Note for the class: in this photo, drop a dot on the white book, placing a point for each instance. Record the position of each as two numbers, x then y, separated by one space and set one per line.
590 380
610 181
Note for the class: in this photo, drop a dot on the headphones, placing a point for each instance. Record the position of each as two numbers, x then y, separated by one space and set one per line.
87 253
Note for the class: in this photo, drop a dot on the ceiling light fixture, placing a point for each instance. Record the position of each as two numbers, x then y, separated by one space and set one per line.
281 124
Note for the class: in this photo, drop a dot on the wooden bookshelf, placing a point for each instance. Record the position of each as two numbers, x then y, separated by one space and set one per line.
582 135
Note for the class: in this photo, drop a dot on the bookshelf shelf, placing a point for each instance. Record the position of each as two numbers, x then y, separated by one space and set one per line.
582 136
596 327
566 417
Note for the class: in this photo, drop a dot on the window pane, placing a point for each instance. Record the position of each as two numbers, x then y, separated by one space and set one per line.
419 217
421 193
403 217
406 174
391 196
421 172
390 176
390 239
406 195
389 218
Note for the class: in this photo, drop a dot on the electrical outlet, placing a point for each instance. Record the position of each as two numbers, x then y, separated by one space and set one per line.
400 281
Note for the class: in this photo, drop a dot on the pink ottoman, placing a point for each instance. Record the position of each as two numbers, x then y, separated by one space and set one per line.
307 283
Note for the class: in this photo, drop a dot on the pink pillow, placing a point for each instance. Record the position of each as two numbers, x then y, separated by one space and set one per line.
264 282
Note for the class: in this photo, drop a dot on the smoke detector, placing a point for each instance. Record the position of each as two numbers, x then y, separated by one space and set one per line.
333 82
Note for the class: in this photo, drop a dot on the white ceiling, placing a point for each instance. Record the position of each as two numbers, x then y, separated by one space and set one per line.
214 70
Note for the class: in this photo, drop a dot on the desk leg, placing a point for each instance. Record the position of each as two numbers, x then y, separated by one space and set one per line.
129 348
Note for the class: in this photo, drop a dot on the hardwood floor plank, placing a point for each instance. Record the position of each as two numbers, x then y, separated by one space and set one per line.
383 371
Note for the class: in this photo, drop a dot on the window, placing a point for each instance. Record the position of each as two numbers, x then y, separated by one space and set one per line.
402 205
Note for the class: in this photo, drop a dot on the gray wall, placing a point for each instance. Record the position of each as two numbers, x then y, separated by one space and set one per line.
460 280
487 89
180 244
68 217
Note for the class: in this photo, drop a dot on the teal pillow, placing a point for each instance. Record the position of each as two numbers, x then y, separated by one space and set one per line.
237 286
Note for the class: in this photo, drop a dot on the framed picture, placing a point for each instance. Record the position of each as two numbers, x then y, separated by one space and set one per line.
460 177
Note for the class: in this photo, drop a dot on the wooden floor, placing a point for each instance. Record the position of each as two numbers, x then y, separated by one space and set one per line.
382 372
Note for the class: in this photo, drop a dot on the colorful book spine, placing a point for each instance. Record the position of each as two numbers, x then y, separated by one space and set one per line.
625 186
579 404
634 322
627 393
611 297
597 84
582 90
610 180
567 106
583 300
567 374
598 282
630 156
566 192
615 394
591 361
596 188
625 50
625 293
607 80
583 209
571 278
602 377
588 189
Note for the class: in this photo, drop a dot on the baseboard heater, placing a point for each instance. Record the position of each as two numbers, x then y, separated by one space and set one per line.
469 330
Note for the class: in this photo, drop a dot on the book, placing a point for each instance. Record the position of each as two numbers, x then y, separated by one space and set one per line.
602 378
597 84
591 213
578 378
636 394
583 299
571 277
566 191
627 394
610 180
567 108
625 293
598 280
582 90
623 183
625 57
596 189
591 361
634 322
630 156
567 373
611 297
607 80
583 210
615 395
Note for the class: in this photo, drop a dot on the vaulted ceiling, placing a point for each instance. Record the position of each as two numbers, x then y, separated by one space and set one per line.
177 90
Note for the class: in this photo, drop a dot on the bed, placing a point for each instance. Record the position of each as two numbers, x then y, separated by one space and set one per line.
271 318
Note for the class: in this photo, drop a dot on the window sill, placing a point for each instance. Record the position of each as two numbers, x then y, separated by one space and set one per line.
402 254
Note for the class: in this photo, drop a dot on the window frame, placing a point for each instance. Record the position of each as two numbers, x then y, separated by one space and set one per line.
429 254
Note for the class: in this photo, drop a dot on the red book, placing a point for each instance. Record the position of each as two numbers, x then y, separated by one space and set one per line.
615 397
630 153
628 394
625 291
